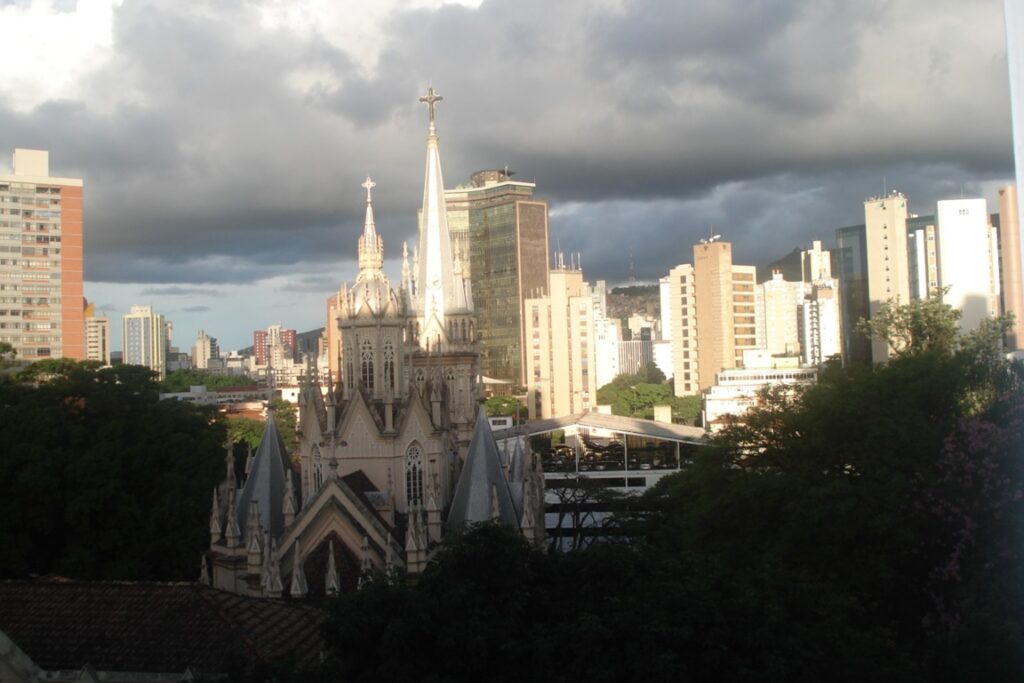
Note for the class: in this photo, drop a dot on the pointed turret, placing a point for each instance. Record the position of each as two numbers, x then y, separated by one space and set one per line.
371 246
436 292
215 526
482 493
232 533
265 484
365 565
204 571
331 585
298 588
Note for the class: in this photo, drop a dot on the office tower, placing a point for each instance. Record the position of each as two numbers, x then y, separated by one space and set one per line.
885 235
819 323
145 339
852 274
778 303
204 350
560 357
41 302
714 315
968 259
263 339
97 336
1011 288
922 257
502 231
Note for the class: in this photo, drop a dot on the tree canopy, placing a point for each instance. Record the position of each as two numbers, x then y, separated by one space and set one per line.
180 380
101 480
870 527
636 395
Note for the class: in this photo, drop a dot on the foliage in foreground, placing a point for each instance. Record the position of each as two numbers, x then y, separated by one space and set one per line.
871 528
101 480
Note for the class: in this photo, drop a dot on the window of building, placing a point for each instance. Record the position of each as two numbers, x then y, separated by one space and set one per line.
389 365
414 474
366 364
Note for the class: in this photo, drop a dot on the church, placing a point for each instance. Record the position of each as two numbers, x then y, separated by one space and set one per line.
394 457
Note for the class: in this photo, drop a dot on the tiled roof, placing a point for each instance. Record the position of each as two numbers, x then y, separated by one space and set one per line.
154 627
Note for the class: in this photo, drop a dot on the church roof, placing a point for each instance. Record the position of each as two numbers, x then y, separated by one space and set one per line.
482 490
153 627
266 481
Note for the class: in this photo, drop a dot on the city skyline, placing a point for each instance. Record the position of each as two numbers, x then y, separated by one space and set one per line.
232 207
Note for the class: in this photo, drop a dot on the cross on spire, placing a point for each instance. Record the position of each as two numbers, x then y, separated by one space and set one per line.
430 99
369 185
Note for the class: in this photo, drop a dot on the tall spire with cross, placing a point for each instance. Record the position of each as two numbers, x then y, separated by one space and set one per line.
371 246
435 282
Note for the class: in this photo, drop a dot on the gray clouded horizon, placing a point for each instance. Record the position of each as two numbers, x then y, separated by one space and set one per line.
223 144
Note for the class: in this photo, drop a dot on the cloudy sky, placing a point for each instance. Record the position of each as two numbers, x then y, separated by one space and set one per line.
222 144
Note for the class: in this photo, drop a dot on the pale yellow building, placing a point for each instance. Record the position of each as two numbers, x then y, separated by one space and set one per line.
560 347
713 316
779 302
885 233
97 336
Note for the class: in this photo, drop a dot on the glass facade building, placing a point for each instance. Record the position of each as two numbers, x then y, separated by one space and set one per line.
501 230
851 270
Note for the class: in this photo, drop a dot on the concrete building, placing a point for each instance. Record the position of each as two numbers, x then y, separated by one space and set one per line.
820 323
204 350
607 335
263 339
41 301
634 355
1011 287
713 315
885 233
815 263
499 235
779 302
737 390
560 358
968 259
144 338
97 336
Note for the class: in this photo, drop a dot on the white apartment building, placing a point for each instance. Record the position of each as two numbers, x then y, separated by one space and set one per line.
737 390
559 334
145 339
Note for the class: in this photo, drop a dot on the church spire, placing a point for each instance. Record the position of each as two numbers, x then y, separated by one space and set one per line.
435 281
371 246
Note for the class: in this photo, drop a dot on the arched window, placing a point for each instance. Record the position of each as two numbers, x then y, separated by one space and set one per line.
463 336
389 365
366 364
420 379
414 475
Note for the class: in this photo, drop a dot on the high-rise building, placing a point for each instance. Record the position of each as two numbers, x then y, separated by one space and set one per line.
1012 287
97 336
778 303
820 323
204 350
714 315
145 339
41 302
852 274
1014 14
560 357
885 234
968 259
263 339
500 230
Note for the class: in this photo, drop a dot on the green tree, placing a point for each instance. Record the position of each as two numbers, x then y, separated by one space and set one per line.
917 327
101 480
180 380
501 406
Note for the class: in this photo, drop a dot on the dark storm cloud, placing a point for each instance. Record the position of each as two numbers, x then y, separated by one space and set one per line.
217 148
